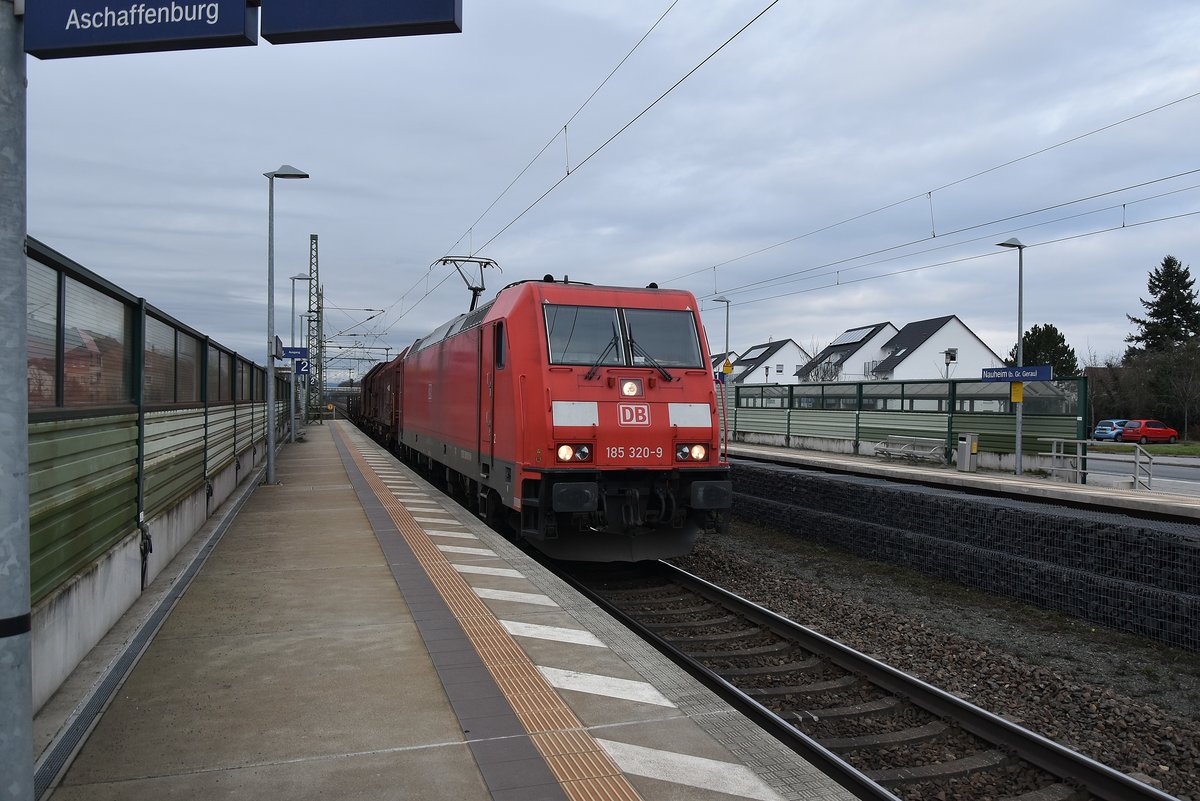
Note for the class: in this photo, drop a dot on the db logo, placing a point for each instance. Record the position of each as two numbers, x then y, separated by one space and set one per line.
633 414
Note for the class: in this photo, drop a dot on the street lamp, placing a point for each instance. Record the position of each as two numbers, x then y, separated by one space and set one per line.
1016 243
724 388
292 378
726 301
285 171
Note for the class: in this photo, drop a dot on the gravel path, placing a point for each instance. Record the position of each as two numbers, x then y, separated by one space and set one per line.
1117 698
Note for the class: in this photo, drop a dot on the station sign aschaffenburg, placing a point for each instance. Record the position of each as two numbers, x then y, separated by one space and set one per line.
71 28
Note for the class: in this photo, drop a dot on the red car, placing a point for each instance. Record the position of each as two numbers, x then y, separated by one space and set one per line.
1144 431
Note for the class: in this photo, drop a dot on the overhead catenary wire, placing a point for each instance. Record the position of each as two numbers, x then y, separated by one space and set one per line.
627 125
416 303
839 283
712 268
581 163
429 291
357 323
563 130
929 192
791 276
986 237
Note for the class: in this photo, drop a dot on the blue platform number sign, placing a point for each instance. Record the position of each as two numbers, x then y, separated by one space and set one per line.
290 21
69 28
301 367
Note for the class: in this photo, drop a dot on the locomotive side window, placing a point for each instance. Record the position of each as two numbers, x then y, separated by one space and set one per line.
663 336
500 350
583 335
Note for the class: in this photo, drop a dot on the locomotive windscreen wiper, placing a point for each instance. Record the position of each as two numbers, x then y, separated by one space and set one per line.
636 348
612 343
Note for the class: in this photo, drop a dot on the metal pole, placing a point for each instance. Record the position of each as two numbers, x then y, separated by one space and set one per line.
304 402
1020 344
292 377
724 380
270 328
725 389
1017 405
726 330
292 381
16 677
284 171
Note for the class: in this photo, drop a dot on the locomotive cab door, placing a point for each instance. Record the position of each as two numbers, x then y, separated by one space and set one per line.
396 392
492 357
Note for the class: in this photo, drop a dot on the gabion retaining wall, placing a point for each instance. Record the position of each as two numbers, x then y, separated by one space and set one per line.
1141 576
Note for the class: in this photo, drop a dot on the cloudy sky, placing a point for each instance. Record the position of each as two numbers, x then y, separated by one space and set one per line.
834 164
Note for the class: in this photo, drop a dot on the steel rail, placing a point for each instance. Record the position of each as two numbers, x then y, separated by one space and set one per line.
845 774
1101 780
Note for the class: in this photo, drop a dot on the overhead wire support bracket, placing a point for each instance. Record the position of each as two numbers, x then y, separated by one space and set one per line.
478 261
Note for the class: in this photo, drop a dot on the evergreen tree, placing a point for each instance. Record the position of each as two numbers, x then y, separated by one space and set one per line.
1045 344
1172 313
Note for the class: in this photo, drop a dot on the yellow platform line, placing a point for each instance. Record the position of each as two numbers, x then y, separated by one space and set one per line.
582 767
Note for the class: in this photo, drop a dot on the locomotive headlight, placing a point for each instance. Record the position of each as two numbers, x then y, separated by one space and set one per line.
631 387
690 453
574 453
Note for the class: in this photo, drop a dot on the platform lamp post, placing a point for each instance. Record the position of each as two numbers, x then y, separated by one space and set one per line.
1016 243
292 378
724 387
285 171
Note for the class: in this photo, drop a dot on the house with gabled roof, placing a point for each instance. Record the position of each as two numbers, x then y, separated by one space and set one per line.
851 356
940 347
769 362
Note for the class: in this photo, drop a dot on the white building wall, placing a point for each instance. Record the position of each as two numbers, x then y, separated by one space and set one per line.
929 360
791 356
871 351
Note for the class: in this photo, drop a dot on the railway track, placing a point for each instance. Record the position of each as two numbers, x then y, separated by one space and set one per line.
878 731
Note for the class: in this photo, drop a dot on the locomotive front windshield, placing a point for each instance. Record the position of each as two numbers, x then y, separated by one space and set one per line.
598 335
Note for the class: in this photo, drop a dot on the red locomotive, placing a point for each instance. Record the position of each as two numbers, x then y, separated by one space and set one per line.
583 417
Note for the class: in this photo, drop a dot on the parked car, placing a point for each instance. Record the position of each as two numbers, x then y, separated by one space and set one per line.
1108 429
1144 431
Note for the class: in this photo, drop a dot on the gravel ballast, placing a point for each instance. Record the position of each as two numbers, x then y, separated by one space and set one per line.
1118 698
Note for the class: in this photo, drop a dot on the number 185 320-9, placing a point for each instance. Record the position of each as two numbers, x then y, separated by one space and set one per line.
633 452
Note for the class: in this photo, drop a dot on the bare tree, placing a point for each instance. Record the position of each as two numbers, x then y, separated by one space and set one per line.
1178 375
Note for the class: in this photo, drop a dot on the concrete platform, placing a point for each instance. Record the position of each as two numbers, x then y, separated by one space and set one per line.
352 634
1029 487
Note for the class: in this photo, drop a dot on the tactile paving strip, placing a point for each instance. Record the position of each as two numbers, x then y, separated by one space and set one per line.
581 766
